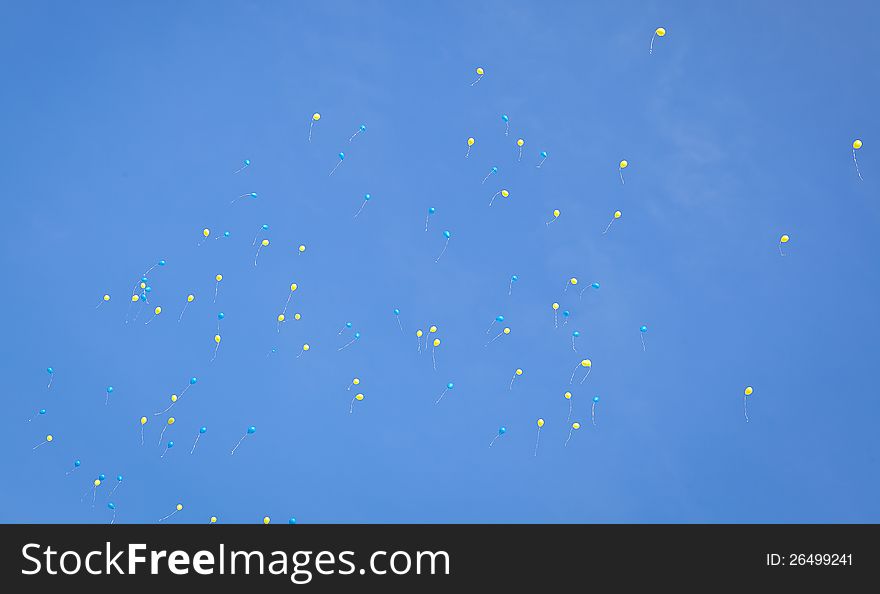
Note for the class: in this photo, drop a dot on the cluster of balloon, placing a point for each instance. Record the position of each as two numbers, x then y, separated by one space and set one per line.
448 236
538 438
177 508
480 73
574 427
617 215
247 163
783 239
357 397
315 117
202 431
447 388
361 128
642 330
518 372
493 171
470 143
431 211
593 410
250 431
746 393
367 198
586 364
543 155
189 299
856 145
503 332
248 195
341 159
556 213
502 192
658 32
501 431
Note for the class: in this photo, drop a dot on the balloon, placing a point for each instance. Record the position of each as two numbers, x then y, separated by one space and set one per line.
857 144
266 520
513 279
520 142
660 31
361 128
516 373
448 236
316 116
593 410
436 342
501 431
250 431
291 521
470 141
302 248
341 159
480 71
479 75
748 391
538 438
213 519
543 155
177 508
574 427
506 121
783 239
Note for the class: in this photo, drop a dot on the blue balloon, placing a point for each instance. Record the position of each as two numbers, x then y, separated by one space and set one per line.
161 262
247 161
119 477
575 333
565 313
193 380
42 411
396 312
432 210
357 335
221 315
450 385
363 128
643 329
595 399
109 389
544 154
291 521
148 289
111 505
494 170
251 430
203 429
514 278
226 234
348 324
170 444
50 371
77 463
502 430
265 227
367 197
101 477
595 285
447 234
341 156
504 117
499 318
143 279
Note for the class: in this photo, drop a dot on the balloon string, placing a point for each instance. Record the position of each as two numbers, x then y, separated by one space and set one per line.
570 431
183 312
490 327
168 516
434 359
607 228
216 289
620 171
494 339
257 255
161 435
651 51
39 444
195 444
426 221
345 345
573 372
353 135
493 198
507 128
162 412
312 123
537 440
593 414
468 153
399 325
746 408
572 344
510 289
216 348
857 165
511 382
239 169
334 169
479 78
588 374
642 336
114 517
165 452
569 411
555 319
493 441
443 393
142 435
485 178
360 209
351 406
443 252
238 444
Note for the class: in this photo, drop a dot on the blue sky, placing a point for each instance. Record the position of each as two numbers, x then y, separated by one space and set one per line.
123 125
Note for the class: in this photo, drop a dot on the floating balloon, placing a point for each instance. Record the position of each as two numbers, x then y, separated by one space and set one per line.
205 234
247 164
520 143
516 374
448 236
617 215
594 286
419 340
513 279
783 239
498 319
593 410
501 431
568 397
305 349
262 229
556 213
301 248
565 315
658 32
156 313
355 382
503 193
856 145
470 143
506 121
220 316
293 288
48 439
357 336
168 446
39 413
586 364
217 278
543 155
250 431
347 326
95 484
252 195
574 336
434 346
168 423
480 73
361 128
108 391
397 316
213 519
366 199
112 506
341 159
642 331
573 281
447 388
431 211
357 397
103 300
264 243
493 171
623 165
143 421
747 392
315 117
500 334
51 373
189 299
177 508
202 431
76 464
538 439
574 427
116 486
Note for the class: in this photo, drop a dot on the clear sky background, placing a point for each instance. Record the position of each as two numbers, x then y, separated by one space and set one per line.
122 126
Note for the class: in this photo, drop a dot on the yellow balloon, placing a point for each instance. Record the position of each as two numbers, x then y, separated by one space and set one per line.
217 338
660 31
143 420
356 381
573 280
170 420
748 391
540 423
520 142
519 371
264 243
586 363
219 277
436 342
306 347
266 520
206 231
359 397
556 213
49 438
316 116
134 298
624 164
189 298
555 306
784 239
617 214
419 333
505 193
179 506
471 141
213 519
857 144
293 287
143 285
280 317
174 398
432 329
97 482
302 248
106 297
567 395
296 316
480 70
157 311
507 330
575 425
